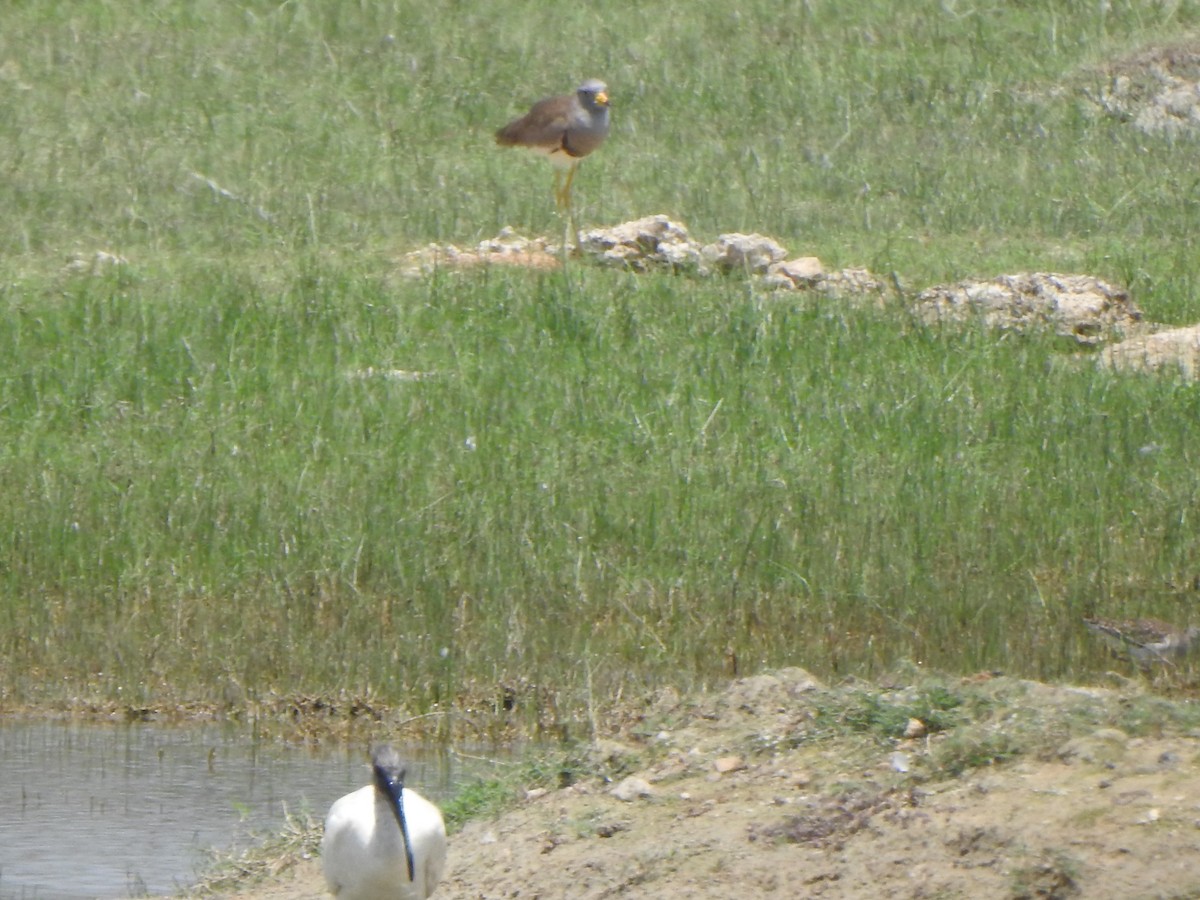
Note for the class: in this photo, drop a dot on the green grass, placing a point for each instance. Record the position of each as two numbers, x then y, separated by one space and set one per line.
606 482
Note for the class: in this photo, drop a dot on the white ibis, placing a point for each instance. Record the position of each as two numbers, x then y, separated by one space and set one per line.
383 841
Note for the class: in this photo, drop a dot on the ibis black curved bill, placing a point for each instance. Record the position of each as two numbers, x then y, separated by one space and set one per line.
389 778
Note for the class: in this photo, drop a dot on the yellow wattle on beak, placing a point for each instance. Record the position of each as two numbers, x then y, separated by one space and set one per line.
602 98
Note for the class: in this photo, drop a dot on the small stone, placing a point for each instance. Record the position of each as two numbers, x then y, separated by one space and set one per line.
773 281
100 261
726 764
802 270
632 788
754 253
850 282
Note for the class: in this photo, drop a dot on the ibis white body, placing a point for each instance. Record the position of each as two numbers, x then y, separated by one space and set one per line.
363 852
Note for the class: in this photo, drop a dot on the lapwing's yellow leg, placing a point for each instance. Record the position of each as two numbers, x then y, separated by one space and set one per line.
562 199
565 198
558 195
571 207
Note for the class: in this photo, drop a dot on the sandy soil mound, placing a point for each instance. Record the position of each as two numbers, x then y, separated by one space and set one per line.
780 787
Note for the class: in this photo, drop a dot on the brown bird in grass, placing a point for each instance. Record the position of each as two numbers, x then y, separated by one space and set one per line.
564 129
1145 641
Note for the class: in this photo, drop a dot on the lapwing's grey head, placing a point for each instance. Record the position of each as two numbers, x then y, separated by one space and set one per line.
593 93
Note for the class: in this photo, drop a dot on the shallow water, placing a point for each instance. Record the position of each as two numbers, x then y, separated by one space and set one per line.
94 811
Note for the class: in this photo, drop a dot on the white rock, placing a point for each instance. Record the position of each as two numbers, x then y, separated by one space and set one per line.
802 270
753 253
100 261
1081 307
632 788
647 243
1175 349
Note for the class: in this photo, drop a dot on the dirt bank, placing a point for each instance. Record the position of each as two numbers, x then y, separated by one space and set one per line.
782 787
